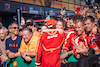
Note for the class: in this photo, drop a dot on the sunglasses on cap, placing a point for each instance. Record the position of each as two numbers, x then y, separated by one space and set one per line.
29 24
51 26
15 27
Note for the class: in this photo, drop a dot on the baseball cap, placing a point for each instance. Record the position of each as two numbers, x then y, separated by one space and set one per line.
29 22
21 27
51 23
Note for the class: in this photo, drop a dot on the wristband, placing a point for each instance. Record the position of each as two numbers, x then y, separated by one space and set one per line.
0 54
65 54
25 53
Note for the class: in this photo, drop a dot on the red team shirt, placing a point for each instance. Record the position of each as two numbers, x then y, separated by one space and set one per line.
95 39
49 49
72 40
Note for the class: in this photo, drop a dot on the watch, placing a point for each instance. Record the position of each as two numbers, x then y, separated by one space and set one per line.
0 54
25 53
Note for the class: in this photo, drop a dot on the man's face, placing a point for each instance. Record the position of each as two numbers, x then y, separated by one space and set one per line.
2 34
30 25
14 29
26 35
68 23
79 28
88 25
87 14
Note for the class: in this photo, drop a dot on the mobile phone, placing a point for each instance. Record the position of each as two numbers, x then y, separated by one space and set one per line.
64 8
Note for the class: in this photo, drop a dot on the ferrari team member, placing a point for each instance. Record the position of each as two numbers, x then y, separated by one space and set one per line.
48 52
71 30
92 38
77 41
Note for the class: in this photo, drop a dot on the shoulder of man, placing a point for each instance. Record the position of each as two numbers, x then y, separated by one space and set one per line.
20 37
34 37
9 38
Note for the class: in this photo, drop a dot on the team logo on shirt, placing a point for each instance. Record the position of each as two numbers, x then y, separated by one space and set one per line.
34 40
81 43
52 36
13 45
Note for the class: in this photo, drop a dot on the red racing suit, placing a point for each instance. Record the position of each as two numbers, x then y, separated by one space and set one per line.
48 51
67 38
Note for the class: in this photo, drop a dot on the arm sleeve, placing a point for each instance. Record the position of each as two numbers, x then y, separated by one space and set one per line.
67 43
39 52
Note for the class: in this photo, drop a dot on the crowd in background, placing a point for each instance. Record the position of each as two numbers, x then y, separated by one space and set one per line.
55 41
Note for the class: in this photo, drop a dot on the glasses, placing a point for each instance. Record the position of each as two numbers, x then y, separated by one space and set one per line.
30 24
15 27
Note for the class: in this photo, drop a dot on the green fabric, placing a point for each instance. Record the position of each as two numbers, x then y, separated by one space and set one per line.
21 63
72 59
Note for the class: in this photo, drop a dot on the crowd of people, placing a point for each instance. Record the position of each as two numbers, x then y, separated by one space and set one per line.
55 42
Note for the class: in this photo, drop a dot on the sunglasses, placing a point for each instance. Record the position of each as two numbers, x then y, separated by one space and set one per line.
15 27
29 24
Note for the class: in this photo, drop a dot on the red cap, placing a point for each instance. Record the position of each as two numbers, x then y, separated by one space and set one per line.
51 22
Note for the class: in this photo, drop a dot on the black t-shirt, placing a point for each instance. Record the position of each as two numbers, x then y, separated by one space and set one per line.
13 45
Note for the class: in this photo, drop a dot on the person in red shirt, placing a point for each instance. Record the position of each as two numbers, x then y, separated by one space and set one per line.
98 34
48 51
76 41
91 37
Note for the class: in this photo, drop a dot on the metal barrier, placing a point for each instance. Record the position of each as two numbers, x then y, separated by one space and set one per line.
21 62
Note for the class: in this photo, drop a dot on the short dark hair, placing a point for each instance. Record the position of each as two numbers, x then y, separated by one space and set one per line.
29 30
89 17
90 11
78 18
11 24
71 17
63 21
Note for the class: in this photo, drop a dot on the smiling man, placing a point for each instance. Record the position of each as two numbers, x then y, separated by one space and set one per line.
76 41
89 25
28 44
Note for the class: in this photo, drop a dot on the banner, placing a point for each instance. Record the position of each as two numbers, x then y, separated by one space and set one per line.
72 7
64 0
56 12
17 0
56 4
83 3
29 1
71 1
37 2
11 7
32 9
78 2
8 7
